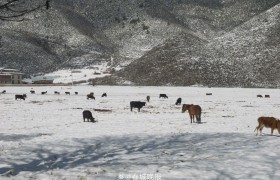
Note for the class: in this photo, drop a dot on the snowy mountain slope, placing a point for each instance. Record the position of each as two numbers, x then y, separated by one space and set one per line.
131 31
244 56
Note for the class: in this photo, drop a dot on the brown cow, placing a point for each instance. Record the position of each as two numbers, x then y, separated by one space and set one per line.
90 96
194 111
268 122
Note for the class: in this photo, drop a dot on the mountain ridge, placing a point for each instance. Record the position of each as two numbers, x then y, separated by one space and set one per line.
156 42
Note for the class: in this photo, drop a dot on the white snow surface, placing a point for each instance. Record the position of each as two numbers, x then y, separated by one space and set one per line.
44 137
74 75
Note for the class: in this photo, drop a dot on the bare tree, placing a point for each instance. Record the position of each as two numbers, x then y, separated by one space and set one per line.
16 10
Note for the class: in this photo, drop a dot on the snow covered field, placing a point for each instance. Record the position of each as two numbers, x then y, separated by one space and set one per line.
44 137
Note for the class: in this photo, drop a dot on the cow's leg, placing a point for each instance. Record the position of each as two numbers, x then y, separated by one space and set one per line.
272 131
261 128
258 128
190 117
199 118
138 109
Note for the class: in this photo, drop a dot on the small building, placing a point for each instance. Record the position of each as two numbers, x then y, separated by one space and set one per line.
10 76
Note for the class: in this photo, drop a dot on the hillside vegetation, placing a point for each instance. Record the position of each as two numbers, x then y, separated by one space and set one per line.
157 42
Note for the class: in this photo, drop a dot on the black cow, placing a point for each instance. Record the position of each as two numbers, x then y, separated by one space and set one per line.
4 91
208 94
88 115
163 96
148 98
137 104
67 93
19 96
179 101
32 91
44 92
76 93
267 96
104 95
260 96
56 92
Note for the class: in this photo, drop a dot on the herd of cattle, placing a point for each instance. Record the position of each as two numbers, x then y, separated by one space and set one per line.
193 110
87 115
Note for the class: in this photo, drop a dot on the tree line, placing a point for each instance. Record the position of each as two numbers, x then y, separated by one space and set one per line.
15 10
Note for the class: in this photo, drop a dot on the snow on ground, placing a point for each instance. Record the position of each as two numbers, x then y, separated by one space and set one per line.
44 137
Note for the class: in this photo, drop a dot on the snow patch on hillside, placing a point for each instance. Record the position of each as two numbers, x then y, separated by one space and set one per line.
76 76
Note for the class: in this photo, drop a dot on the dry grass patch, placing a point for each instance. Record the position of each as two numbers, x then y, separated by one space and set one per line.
103 110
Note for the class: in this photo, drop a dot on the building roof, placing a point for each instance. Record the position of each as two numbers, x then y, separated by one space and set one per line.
5 74
10 71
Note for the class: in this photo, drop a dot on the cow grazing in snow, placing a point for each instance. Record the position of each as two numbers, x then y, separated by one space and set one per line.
137 104
19 96
148 98
56 92
163 96
268 122
179 101
88 115
44 92
90 96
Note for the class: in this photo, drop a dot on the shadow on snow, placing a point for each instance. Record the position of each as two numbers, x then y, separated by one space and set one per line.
220 155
